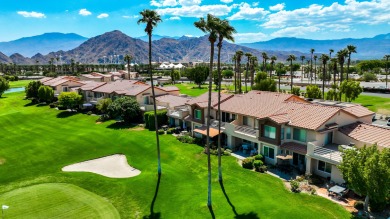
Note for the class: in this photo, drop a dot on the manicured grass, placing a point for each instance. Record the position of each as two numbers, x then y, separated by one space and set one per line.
20 83
192 89
56 200
379 105
36 142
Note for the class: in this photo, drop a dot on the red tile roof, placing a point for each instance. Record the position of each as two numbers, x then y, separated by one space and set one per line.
168 89
295 147
358 111
116 86
202 100
60 80
90 85
368 134
173 100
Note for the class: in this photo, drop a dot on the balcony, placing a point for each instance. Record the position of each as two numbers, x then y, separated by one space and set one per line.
179 113
242 129
328 153
214 124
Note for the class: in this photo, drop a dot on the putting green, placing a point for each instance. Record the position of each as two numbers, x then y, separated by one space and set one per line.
56 200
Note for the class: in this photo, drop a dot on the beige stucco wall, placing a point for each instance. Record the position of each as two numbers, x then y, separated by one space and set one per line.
68 84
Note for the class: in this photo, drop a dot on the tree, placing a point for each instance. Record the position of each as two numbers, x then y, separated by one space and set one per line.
248 55
151 18
351 49
290 59
273 59
239 55
125 107
266 85
4 85
199 74
315 69
32 89
265 58
351 90
45 93
302 59
341 54
234 59
386 57
70 100
209 26
103 104
280 70
175 75
366 171
325 59
260 76
227 73
296 90
253 61
313 91
224 31
334 93
128 59
311 65
334 67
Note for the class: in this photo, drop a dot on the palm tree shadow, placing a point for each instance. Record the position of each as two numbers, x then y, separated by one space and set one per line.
250 215
211 211
154 215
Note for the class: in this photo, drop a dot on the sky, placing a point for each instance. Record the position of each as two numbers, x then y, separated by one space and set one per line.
257 20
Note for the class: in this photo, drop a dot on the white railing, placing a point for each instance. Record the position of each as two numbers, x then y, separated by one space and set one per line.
324 153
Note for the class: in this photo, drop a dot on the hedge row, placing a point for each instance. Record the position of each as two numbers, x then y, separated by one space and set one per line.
162 119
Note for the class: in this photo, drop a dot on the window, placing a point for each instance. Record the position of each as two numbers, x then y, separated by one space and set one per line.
245 120
233 117
146 100
65 89
269 152
299 135
324 167
198 114
269 132
288 133
282 133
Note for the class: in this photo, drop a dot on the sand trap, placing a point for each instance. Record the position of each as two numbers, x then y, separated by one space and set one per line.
114 166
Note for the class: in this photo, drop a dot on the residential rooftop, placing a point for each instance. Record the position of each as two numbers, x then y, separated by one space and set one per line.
367 133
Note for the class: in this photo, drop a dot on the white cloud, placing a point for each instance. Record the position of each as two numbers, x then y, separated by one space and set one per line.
196 10
249 37
32 14
295 31
255 4
174 18
226 1
84 12
277 7
163 3
246 12
103 15
130 17
189 2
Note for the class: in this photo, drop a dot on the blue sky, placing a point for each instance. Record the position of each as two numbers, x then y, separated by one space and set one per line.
256 20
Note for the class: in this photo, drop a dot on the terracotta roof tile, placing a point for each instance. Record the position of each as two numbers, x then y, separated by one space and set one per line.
116 86
202 100
358 111
169 88
173 100
368 134
90 85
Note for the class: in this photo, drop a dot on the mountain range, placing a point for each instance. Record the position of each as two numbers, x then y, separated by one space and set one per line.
112 46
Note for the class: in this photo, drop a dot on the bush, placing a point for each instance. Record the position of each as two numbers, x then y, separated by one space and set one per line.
227 152
257 164
60 107
262 169
258 157
53 105
186 139
294 186
376 206
296 90
247 163
162 119
103 118
161 131
89 113
359 205
171 130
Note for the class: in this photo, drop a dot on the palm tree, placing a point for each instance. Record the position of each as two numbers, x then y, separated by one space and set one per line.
265 58
128 59
311 65
224 31
290 59
273 59
334 65
351 49
151 18
325 58
234 59
280 66
209 26
387 67
253 61
248 55
239 54
315 69
302 59
330 58
341 54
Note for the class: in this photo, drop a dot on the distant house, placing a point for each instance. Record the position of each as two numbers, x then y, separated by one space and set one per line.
98 77
62 83
177 109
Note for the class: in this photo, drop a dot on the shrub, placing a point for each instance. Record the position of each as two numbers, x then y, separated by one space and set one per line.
171 130
296 90
186 139
263 168
247 163
161 131
103 118
258 157
257 164
227 152
60 107
89 113
359 205
294 186
162 119
53 105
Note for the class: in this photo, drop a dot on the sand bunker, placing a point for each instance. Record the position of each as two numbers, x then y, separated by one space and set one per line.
114 166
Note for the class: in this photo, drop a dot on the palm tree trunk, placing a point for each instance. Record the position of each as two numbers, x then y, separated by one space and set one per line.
291 75
219 113
279 81
128 68
349 62
246 76
154 106
323 83
208 126
235 77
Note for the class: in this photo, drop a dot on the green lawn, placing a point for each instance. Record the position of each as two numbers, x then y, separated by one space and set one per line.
20 83
45 200
36 142
379 105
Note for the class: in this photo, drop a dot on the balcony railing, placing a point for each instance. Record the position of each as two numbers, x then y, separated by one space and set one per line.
328 153
178 113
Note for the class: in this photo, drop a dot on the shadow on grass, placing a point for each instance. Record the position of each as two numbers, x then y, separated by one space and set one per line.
250 215
154 215
29 104
211 211
121 125
66 114
42 104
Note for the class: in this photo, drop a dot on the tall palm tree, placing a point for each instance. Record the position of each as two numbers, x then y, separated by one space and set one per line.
387 66
239 55
265 58
311 65
290 59
253 61
302 59
128 59
209 26
330 58
273 59
334 66
351 49
325 58
224 31
341 54
280 66
234 59
315 69
248 55
151 18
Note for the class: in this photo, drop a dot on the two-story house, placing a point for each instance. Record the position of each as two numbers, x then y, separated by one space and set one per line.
62 83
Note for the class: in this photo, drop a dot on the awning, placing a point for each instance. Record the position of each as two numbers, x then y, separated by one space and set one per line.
294 147
203 130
